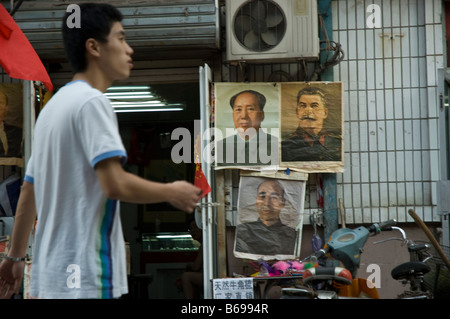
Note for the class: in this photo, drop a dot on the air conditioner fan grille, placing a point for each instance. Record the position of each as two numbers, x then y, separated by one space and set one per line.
259 25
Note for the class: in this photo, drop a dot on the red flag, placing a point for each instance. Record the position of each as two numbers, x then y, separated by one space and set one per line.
17 57
201 181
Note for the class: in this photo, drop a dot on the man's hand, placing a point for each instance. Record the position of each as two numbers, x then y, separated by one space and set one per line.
185 196
11 274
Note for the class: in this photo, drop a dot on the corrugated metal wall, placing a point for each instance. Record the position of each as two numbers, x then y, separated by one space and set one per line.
149 24
170 38
390 76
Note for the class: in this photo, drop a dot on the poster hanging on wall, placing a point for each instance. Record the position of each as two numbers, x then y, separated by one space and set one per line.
295 125
247 125
270 216
11 124
311 127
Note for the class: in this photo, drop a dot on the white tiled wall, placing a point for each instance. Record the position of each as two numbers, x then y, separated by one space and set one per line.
391 104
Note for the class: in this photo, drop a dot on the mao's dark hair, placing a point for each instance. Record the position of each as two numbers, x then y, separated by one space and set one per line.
260 97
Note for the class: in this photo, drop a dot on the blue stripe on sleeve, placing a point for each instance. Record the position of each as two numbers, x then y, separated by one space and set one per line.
101 157
29 179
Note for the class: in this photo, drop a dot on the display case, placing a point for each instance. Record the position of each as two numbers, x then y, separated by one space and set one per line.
169 242
165 256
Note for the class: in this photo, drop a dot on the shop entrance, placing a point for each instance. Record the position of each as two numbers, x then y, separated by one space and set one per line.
158 235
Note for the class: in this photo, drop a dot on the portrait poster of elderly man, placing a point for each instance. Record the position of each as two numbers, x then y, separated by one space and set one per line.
269 221
247 128
312 126
11 124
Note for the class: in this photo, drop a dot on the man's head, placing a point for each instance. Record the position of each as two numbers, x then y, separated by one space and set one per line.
101 38
3 105
270 201
311 109
248 110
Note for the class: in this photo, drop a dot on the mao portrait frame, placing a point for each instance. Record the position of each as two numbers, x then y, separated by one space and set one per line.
281 122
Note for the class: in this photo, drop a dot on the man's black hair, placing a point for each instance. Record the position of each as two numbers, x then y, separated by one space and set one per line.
310 90
260 97
95 22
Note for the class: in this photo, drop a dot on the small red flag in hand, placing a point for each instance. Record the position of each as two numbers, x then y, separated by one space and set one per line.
201 181
17 56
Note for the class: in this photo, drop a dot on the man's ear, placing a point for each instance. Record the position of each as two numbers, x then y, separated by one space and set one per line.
92 47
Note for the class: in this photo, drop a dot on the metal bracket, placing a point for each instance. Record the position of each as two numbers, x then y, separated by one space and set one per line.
317 217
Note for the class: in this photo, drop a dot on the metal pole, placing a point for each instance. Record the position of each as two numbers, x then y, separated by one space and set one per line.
207 210
28 118
330 211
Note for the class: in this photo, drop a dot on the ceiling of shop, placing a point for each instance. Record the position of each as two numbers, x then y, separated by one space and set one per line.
170 39
185 93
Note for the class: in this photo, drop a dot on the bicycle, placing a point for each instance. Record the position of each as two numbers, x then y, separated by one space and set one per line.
413 271
438 280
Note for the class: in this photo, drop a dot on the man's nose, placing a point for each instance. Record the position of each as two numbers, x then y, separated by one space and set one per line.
268 201
130 50
308 110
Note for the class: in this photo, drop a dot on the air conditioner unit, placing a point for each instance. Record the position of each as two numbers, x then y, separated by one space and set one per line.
272 30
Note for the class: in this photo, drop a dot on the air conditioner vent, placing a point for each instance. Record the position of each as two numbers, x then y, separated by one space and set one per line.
272 30
259 25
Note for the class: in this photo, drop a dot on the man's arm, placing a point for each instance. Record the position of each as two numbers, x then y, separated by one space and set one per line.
116 183
23 221
11 272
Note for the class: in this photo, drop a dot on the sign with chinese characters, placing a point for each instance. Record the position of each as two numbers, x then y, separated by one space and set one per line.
233 288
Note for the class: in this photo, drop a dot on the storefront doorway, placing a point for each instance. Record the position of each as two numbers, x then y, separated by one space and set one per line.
160 243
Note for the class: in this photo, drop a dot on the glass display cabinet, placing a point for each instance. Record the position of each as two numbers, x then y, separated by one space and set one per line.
165 255
169 241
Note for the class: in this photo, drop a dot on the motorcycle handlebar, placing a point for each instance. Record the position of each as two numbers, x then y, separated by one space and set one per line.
316 256
386 225
320 253
375 228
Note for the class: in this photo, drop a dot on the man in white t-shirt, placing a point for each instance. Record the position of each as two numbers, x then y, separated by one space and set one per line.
75 179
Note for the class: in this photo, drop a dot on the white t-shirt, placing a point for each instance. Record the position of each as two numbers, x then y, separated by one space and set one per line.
79 250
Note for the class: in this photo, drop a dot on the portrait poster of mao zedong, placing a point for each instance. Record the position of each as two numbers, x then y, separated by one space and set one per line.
247 125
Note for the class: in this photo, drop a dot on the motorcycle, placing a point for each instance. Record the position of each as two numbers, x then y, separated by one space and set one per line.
329 280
